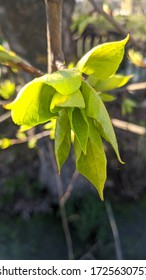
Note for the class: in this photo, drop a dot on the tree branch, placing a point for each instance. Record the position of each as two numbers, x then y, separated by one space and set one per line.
118 26
56 62
36 137
54 34
27 67
70 186
61 204
131 127
114 230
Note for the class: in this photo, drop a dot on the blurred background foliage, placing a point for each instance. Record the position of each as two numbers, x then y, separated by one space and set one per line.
30 218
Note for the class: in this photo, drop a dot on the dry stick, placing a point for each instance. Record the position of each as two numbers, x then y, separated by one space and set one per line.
69 189
37 136
136 86
61 204
114 230
56 62
24 66
130 127
118 27
5 116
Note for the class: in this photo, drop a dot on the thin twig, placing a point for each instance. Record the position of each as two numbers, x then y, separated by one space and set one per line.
118 26
24 66
29 138
134 128
70 187
114 230
61 204
5 116
136 86
27 67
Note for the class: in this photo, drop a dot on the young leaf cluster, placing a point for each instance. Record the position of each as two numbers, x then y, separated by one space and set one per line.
76 105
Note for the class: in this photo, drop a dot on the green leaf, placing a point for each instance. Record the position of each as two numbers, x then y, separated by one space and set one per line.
32 143
136 58
81 23
24 128
8 56
107 97
7 89
32 104
5 143
92 165
96 110
74 100
128 106
103 61
62 138
80 127
65 81
113 82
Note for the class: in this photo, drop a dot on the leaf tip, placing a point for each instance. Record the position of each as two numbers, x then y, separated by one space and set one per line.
101 195
119 159
58 166
8 106
126 39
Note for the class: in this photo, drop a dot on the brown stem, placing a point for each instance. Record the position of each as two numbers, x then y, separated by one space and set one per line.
118 27
56 62
54 34
36 137
69 189
25 66
61 204
114 230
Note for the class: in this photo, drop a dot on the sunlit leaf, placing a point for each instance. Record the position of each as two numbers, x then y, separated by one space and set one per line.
5 143
21 135
80 127
51 127
96 110
31 106
71 65
65 81
73 100
24 128
62 138
8 56
103 61
51 124
7 89
107 97
32 143
92 165
111 83
136 58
